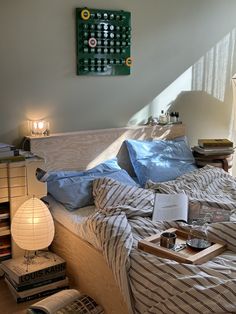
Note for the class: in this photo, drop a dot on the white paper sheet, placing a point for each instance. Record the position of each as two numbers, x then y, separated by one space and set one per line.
169 207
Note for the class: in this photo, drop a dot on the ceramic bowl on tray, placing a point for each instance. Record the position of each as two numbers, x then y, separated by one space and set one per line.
198 244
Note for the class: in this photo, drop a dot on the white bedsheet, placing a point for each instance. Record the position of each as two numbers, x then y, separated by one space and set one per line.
73 220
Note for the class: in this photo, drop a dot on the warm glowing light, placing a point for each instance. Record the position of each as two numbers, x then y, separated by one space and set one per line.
39 128
32 226
41 124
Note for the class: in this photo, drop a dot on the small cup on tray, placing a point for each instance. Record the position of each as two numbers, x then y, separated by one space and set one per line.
168 239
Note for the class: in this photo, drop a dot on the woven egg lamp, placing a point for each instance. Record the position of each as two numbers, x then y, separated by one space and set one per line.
32 226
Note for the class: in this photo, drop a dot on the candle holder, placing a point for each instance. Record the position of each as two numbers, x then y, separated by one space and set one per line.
39 128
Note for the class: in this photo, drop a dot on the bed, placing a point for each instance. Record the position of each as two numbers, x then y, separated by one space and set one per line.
103 275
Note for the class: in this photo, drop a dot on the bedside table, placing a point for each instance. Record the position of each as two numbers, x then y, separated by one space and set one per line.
218 160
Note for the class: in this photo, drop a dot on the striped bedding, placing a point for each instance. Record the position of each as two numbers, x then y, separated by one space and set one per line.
158 285
208 186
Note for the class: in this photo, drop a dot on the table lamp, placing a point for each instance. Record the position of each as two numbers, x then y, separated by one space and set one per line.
32 227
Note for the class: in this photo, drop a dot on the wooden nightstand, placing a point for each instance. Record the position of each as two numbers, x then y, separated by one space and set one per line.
218 160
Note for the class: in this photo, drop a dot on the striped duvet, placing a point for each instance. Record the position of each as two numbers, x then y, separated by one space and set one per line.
156 285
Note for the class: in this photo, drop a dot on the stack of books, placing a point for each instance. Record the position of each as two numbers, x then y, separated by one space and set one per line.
5 238
9 153
45 275
214 147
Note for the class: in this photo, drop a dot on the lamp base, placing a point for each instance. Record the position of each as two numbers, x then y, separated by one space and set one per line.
31 256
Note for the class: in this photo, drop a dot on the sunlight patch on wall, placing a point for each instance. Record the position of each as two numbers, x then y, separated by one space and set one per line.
211 74
182 83
232 131
164 100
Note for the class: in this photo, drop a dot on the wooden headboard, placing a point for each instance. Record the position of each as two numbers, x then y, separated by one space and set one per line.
86 149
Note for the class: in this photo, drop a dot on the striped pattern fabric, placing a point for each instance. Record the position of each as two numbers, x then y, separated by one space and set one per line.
208 186
109 193
164 286
157 285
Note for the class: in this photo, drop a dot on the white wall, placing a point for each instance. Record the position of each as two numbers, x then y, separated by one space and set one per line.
170 37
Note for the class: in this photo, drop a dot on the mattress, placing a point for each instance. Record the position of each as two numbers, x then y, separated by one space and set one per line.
72 220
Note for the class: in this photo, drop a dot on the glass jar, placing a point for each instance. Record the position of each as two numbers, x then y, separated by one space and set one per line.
197 237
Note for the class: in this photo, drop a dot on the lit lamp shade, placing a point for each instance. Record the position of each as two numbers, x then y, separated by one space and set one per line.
32 226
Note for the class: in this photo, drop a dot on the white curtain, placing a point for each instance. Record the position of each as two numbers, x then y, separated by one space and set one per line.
233 122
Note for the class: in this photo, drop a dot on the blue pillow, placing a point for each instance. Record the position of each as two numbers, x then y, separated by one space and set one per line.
106 166
74 188
160 160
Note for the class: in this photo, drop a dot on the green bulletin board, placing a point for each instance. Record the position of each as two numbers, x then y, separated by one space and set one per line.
103 39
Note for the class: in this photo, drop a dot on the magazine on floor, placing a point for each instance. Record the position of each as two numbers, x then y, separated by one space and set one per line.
66 301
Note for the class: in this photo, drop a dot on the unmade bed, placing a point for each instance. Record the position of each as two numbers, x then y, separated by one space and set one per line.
108 266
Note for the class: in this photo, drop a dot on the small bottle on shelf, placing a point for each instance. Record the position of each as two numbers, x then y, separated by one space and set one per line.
172 117
162 118
177 116
167 117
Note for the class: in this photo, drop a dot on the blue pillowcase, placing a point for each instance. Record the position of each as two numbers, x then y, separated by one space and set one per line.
107 166
160 160
74 188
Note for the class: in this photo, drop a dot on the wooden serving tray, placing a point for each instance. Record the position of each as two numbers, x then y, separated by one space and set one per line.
187 255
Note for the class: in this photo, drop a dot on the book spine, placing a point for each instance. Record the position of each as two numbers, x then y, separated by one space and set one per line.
4 216
4 258
4 228
5 241
7 149
20 288
215 146
40 295
5 232
42 274
4 223
12 159
215 143
9 153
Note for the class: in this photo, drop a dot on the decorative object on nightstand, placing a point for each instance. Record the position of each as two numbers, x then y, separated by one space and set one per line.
215 152
39 128
44 277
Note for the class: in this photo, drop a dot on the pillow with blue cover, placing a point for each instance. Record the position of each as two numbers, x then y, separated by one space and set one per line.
160 160
74 188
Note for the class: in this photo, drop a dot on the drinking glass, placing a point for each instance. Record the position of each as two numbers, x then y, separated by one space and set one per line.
197 237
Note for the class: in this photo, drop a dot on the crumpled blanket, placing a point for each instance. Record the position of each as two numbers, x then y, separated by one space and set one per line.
158 285
208 186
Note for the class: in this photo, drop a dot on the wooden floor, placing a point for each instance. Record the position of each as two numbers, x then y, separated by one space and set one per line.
7 303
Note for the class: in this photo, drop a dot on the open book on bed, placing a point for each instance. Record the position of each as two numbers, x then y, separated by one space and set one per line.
170 207
66 301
